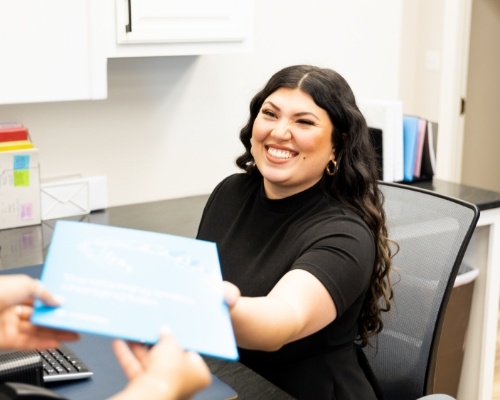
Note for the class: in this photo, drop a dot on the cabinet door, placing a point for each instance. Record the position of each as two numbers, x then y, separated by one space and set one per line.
51 50
181 27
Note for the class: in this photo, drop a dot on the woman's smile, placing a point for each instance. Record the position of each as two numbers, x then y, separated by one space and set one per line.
281 154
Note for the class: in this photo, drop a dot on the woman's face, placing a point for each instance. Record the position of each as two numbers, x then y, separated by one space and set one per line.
291 142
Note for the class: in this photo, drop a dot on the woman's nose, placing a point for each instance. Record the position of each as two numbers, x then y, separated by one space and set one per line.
282 130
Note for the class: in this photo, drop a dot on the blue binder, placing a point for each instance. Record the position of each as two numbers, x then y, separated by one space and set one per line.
410 136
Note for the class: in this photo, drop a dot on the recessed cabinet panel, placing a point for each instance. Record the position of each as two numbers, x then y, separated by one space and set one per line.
50 51
181 27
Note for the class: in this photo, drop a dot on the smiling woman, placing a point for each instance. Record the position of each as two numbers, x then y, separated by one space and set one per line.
301 232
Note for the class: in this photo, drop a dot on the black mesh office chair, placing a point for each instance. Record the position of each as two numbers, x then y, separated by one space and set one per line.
433 233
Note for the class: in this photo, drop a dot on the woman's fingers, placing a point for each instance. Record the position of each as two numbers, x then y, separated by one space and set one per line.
131 366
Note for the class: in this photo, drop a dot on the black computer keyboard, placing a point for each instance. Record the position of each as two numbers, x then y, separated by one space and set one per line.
63 364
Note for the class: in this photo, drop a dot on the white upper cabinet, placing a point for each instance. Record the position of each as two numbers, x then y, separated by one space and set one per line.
57 50
52 50
187 27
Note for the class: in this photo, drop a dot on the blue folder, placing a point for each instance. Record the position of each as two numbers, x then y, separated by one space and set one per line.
128 283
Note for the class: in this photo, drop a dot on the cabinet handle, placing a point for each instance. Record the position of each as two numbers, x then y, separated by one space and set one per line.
462 106
128 27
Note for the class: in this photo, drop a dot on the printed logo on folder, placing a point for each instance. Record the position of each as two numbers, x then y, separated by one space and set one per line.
128 283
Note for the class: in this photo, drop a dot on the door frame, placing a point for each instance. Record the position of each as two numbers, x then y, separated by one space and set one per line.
453 86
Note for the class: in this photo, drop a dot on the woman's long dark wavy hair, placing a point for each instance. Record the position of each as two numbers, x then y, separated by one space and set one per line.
354 183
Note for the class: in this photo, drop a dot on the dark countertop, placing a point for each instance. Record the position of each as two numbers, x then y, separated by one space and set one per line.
28 245
21 247
482 198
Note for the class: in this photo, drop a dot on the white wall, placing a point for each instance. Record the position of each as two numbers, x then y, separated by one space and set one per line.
421 57
170 125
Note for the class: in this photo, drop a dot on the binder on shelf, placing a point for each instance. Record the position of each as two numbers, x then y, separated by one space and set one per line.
387 117
428 168
410 136
421 132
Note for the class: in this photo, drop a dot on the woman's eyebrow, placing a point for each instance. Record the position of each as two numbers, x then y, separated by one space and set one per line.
299 114
271 103
306 113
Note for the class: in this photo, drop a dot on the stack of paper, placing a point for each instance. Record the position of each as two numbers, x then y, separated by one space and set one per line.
19 177
14 136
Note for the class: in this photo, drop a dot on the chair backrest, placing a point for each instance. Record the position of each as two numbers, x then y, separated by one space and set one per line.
433 232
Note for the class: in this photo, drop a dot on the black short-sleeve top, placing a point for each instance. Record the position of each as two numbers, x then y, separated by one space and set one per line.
259 240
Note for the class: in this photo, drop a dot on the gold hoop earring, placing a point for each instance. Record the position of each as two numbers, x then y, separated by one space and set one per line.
327 168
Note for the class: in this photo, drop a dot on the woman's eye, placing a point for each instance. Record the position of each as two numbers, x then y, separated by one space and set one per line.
269 113
305 122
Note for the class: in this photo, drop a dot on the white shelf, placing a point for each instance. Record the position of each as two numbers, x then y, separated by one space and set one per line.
479 360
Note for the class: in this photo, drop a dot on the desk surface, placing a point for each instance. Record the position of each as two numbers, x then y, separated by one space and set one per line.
482 198
28 245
